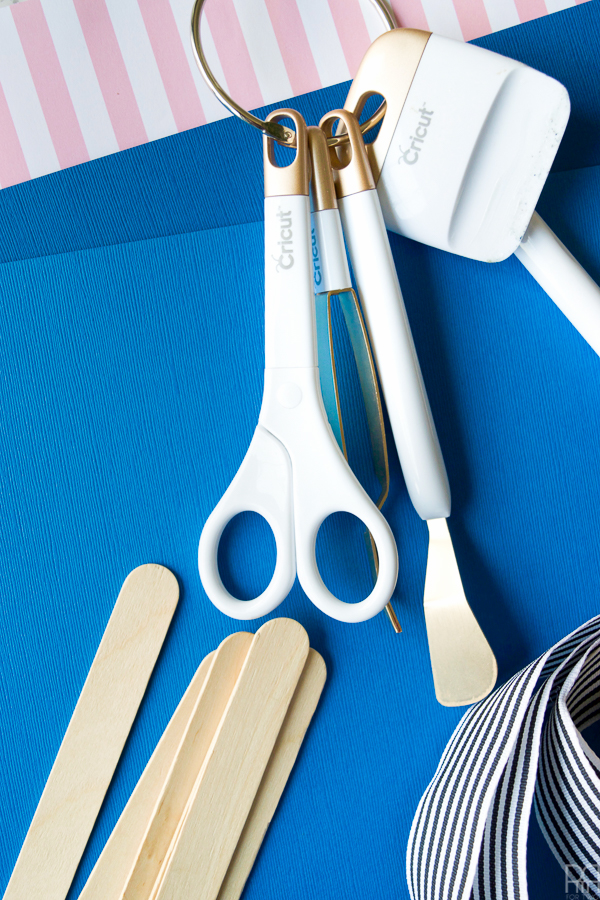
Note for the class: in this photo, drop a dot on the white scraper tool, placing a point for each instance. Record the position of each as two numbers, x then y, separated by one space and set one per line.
463 152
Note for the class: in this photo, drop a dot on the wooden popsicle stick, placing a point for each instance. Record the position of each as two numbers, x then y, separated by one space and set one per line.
194 745
95 737
118 856
285 751
235 763
283 757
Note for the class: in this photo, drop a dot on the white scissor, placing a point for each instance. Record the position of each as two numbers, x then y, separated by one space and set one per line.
294 473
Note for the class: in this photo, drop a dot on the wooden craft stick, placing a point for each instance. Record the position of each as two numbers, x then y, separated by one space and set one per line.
118 857
235 764
95 737
281 762
210 707
285 751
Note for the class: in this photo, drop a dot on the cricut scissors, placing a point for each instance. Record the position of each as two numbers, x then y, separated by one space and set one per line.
294 473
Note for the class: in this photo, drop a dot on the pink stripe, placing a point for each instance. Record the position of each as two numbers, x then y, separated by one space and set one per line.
293 43
352 31
473 18
530 9
233 54
50 83
110 70
13 168
172 63
410 14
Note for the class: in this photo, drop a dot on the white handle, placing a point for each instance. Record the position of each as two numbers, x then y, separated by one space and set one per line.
289 308
263 484
394 351
323 484
564 280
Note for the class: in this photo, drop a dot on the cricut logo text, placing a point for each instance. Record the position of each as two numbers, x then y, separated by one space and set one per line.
285 260
316 264
411 156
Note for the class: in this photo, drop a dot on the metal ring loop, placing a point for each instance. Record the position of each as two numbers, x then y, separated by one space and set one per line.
273 129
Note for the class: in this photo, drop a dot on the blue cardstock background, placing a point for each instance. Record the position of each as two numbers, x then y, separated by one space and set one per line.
131 315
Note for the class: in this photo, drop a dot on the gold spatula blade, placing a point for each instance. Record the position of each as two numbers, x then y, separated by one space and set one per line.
463 665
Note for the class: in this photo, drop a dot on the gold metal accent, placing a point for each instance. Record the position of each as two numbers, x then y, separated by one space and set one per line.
393 618
463 664
344 449
351 167
388 68
293 179
321 185
273 129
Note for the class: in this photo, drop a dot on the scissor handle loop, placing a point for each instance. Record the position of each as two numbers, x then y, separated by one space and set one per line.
279 132
324 484
313 584
263 484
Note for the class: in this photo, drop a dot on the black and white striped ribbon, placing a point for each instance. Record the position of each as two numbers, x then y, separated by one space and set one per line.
468 840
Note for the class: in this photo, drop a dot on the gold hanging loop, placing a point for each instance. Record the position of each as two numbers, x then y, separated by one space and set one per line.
276 130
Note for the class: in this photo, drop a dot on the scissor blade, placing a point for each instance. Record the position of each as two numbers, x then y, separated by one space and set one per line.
327 373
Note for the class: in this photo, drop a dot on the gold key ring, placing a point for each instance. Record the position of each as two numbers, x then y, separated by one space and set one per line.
279 132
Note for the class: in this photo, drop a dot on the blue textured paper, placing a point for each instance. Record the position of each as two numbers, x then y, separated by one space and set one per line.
130 384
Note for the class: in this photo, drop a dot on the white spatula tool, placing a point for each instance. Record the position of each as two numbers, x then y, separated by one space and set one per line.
463 665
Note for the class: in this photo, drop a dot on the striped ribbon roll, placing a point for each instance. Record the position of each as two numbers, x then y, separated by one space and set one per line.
469 835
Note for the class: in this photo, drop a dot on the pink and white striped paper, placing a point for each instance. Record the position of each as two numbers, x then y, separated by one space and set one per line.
83 78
